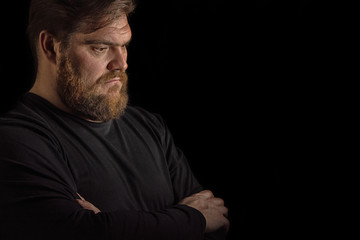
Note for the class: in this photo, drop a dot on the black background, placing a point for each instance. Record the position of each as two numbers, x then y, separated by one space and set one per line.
236 85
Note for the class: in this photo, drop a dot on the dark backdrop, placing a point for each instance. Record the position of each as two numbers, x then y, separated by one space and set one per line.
232 81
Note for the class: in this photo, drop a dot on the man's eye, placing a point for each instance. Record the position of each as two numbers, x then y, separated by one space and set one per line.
99 49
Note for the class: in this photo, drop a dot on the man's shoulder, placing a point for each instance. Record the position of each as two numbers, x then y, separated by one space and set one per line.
21 115
23 122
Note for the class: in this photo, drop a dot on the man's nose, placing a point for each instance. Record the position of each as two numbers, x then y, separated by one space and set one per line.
119 60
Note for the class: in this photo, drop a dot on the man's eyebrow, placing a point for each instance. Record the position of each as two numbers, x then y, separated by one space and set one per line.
104 42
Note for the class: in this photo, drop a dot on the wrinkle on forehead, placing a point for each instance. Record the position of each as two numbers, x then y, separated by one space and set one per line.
119 28
93 25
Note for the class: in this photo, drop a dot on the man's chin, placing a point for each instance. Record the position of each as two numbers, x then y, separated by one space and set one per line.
101 108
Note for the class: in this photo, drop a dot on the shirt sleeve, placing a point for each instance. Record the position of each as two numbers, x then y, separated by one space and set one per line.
183 180
37 199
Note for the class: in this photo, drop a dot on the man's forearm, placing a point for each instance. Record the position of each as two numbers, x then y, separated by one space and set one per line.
179 222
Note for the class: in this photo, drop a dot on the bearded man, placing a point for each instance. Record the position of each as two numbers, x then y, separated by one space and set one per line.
73 137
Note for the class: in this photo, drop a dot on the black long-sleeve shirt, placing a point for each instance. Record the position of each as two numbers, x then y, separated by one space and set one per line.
129 168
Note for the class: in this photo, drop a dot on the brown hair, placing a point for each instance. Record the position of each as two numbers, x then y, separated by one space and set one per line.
64 17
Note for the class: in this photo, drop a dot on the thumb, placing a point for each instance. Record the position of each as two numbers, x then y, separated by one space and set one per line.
87 205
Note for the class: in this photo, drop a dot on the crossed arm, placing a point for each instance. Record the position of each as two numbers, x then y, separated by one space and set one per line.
212 208
38 205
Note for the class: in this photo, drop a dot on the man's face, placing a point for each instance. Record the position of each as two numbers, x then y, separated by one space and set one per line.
91 79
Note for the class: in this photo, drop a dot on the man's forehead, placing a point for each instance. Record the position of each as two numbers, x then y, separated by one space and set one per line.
119 28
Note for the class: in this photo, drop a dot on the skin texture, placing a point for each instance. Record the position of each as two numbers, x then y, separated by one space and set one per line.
90 57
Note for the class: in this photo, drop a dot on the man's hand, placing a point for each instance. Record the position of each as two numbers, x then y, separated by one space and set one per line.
212 208
87 205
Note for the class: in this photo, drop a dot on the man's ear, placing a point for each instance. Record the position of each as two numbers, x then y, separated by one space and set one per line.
47 45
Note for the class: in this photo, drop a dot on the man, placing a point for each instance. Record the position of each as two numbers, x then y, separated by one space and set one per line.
73 137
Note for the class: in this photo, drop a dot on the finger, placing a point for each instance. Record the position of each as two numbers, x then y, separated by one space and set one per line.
226 224
87 205
207 194
81 197
217 201
224 211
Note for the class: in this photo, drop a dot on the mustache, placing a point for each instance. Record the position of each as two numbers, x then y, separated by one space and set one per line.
111 75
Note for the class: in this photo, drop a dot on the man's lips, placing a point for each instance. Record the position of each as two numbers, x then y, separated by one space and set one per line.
113 80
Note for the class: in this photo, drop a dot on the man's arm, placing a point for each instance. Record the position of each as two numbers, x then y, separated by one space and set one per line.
213 209
188 191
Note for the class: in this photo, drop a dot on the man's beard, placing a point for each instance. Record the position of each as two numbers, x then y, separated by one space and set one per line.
85 101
